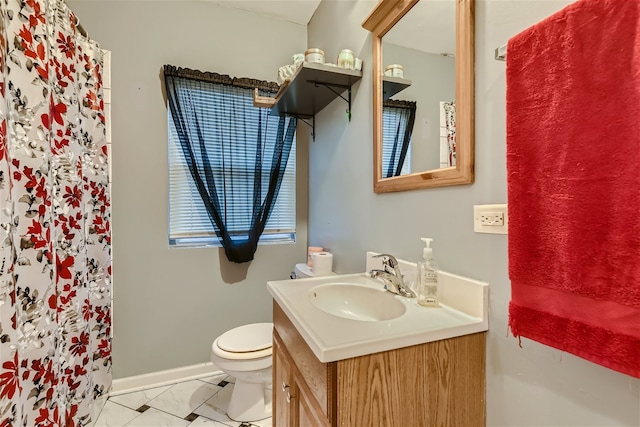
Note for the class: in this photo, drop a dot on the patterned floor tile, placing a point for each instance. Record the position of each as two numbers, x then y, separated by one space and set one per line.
215 379
138 398
115 415
267 422
181 399
193 403
215 408
156 418
206 422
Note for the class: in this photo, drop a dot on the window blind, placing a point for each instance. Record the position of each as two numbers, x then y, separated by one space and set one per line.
392 117
189 223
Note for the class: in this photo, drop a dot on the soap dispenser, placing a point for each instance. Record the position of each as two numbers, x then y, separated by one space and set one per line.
427 280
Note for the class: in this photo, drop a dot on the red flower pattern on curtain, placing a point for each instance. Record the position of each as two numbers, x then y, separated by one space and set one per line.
450 128
55 213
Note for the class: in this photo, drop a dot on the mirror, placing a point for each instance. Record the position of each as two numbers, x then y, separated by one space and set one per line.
423 115
423 42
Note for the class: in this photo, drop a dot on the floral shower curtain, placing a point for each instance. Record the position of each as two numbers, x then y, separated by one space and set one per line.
55 237
450 130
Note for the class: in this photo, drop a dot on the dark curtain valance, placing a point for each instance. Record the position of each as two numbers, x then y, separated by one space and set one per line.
399 103
224 79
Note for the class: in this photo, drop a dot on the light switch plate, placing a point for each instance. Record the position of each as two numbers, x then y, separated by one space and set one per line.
490 219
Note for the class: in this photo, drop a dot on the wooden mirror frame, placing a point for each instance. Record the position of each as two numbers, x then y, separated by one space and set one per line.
384 16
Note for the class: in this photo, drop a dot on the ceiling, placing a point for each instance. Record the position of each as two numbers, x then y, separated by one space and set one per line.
429 26
297 11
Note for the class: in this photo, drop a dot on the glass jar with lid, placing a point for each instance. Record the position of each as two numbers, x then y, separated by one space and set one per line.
346 59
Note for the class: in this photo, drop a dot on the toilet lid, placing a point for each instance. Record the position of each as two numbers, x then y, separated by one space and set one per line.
246 338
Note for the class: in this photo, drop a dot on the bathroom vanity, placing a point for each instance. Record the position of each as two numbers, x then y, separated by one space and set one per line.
420 367
437 383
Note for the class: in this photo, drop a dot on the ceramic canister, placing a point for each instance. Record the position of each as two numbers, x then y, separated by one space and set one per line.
394 70
314 55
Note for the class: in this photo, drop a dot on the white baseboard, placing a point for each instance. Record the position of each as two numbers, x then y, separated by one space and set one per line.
161 378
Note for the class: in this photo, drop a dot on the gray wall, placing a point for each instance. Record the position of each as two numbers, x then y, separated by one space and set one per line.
169 304
534 385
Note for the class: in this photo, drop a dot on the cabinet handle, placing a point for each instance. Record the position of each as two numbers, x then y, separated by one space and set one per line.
284 389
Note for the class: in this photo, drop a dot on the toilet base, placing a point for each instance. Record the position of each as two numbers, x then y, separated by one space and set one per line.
249 402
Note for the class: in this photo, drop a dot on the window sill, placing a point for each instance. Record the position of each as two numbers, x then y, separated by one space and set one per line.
213 242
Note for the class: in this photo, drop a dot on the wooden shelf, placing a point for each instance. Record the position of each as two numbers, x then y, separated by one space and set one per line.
313 87
393 85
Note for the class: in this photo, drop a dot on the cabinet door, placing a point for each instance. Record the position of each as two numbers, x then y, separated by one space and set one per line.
283 415
308 414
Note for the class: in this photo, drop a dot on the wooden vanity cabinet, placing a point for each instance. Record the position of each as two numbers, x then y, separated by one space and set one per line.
301 383
282 383
438 383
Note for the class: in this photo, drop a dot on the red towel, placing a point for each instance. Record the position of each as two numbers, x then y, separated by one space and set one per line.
573 172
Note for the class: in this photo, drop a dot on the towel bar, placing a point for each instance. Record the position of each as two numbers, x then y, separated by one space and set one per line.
501 53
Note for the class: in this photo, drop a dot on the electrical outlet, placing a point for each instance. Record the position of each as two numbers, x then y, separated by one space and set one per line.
490 219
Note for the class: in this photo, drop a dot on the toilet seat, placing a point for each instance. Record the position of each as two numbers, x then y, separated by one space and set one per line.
252 337
251 341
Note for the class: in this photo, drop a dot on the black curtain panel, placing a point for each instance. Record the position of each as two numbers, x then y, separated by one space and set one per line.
223 139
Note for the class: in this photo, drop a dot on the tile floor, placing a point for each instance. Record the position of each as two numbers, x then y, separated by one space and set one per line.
193 403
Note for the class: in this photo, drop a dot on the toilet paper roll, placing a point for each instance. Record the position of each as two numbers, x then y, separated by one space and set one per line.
310 251
322 263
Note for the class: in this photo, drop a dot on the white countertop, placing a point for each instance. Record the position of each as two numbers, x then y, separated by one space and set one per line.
464 310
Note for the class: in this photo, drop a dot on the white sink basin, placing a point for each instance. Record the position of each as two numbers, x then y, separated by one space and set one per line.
351 315
356 302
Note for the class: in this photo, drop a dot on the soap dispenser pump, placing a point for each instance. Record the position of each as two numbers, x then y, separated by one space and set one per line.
427 280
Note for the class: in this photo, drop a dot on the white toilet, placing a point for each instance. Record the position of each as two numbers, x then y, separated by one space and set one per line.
245 354
302 271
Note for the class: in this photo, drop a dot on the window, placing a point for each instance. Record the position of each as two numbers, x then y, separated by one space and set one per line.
394 123
230 111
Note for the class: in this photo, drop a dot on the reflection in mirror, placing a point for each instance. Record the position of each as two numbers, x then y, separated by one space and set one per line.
398 119
423 115
423 42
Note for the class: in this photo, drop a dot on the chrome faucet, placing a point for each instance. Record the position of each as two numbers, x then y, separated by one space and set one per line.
391 276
